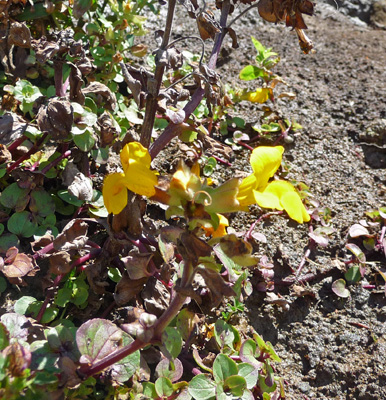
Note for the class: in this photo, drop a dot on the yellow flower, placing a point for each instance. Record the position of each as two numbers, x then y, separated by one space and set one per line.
260 95
279 195
221 229
137 177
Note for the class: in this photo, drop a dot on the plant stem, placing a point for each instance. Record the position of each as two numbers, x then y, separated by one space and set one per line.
172 130
32 150
17 143
165 319
154 84
66 154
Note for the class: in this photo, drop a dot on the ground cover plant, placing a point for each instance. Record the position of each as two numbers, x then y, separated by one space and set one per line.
79 223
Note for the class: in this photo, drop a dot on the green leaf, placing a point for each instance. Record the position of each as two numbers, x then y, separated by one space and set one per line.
21 305
114 274
98 338
85 141
13 196
149 390
248 353
251 72
339 288
64 195
172 341
3 284
80 7
223 333
100 155
201 387
258 46
63 297
21 224
7 241
266 347
353 275
236 384
164 387
3 337
42 203
188 136
250 374
45 378
223 367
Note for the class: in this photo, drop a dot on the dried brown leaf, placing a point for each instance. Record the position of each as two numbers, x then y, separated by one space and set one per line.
216 284
103 94
81 187
11 127
19 35
155 296
137 265
74 235
127 289
17 265
60 263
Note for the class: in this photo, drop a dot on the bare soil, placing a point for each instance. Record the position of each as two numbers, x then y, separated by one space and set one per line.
331 348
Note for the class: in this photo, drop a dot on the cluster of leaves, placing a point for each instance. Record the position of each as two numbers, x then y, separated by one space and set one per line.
366 241
72 99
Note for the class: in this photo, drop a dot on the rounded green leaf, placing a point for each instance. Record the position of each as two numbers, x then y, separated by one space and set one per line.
7 241
339 288
21 224
42 203
223 333
98 338
201 387
235 384
12 195
22 304
3 284
172 341
164 387
353 275
223 367
251 72
249 373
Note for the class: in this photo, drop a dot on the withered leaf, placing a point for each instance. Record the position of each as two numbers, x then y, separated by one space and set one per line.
56 118
127 289
81 187
155 296
11 127
19 358
76 83
108 131
17 265
233 36
60 263
137 265
74 236
19 35
207 25
192 248
102 93
216 284
238 250
5 155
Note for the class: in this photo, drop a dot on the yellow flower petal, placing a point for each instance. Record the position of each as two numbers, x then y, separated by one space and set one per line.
114 193
267 200
246 196
136 161
289 200
265 161
134 152
221 229
260 95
